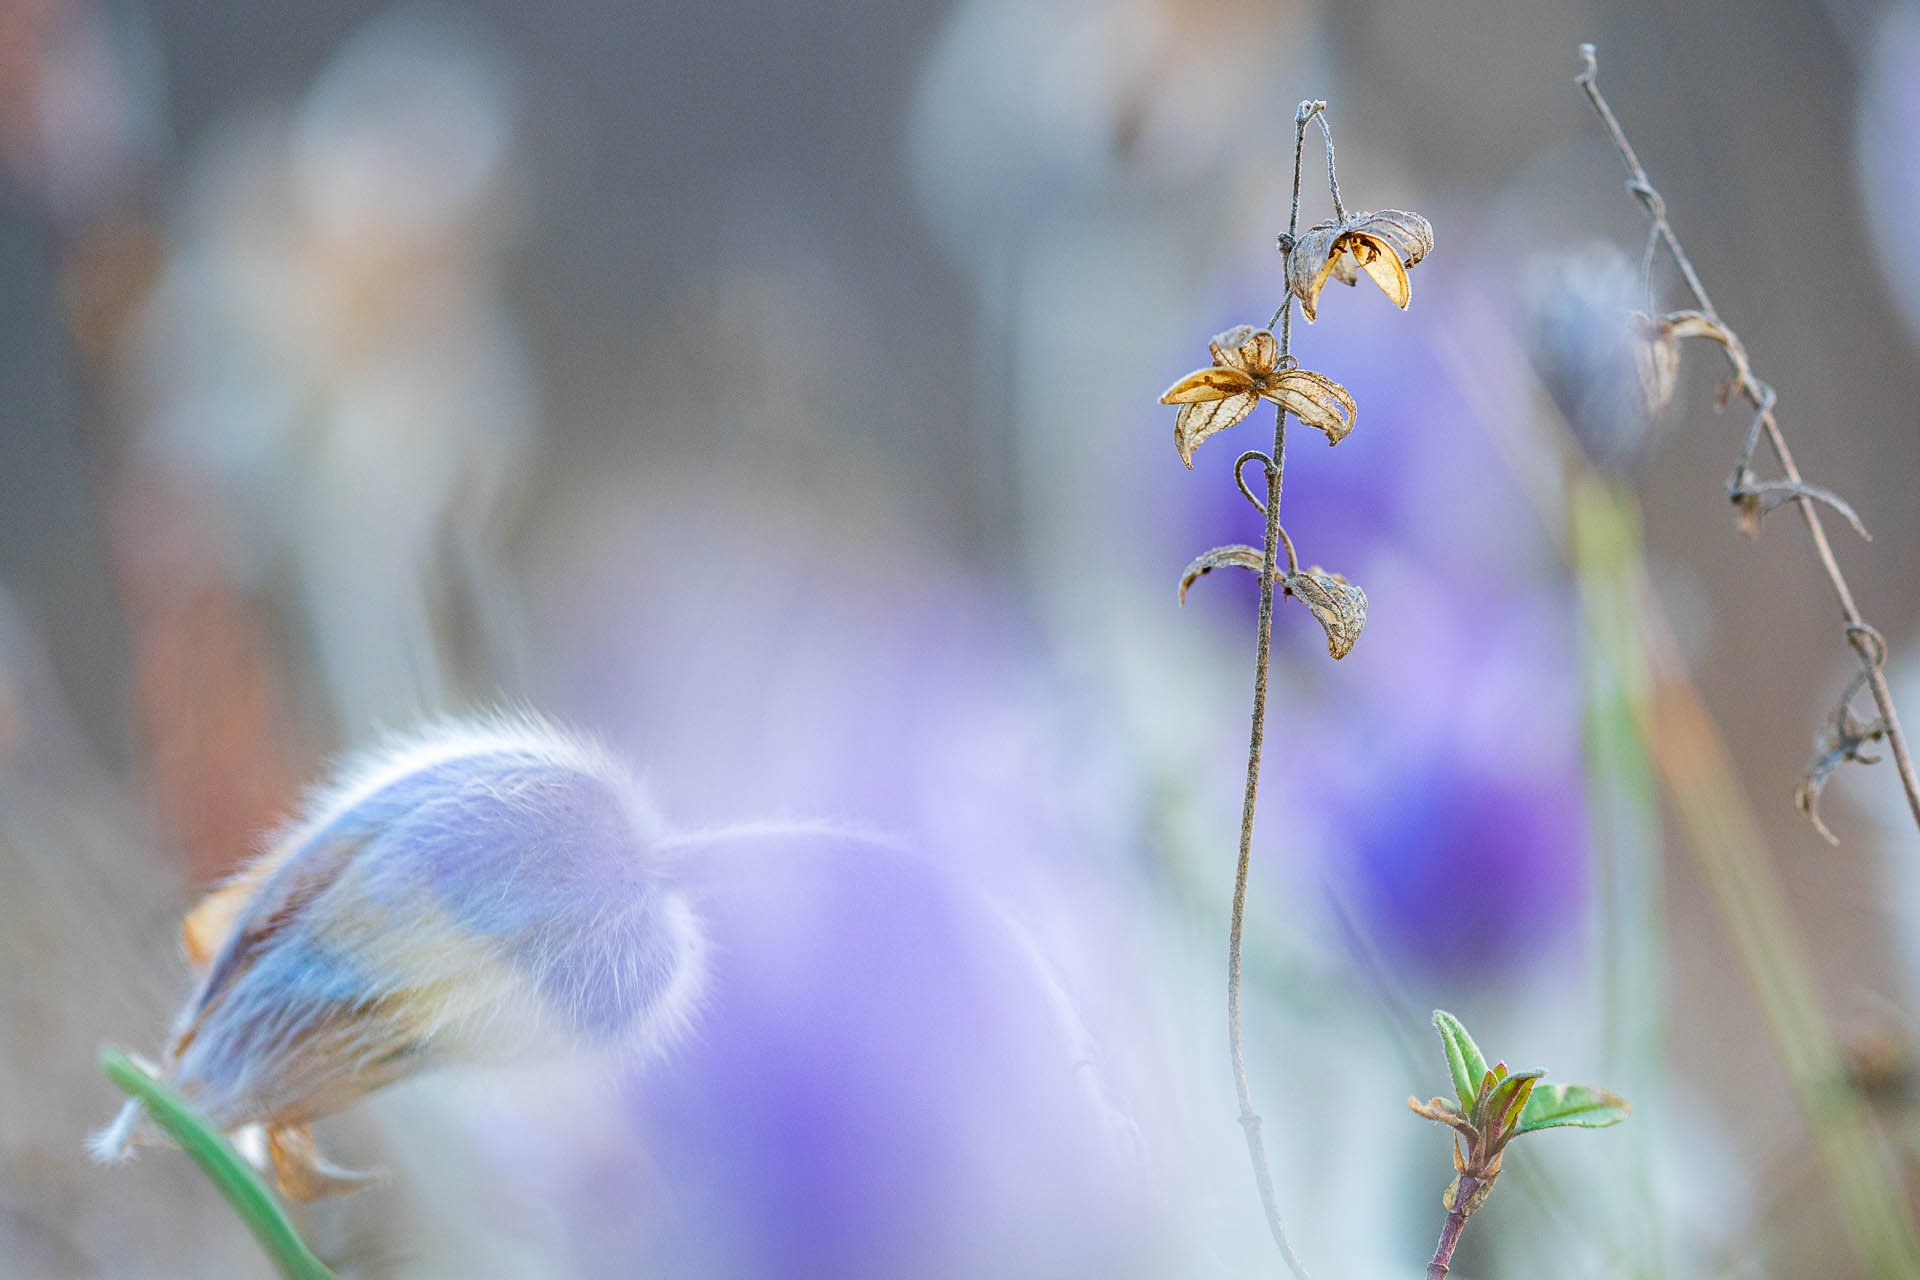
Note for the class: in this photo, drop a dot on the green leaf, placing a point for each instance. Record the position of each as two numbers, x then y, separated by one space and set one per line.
1464 1059
1504 1104
1555 1106
230 1175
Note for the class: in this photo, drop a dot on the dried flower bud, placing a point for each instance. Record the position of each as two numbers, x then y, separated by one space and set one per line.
1383 244
1247 366
484 892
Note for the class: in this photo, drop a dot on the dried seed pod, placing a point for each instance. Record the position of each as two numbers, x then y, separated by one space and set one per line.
1248 367
1384 245
485 892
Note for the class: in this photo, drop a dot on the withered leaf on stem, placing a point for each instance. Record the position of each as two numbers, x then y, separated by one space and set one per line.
1841 739
1383 244
1237 557
1340 606
1656 351
1753 500
1247 366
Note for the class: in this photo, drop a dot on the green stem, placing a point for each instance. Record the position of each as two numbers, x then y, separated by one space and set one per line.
230 1175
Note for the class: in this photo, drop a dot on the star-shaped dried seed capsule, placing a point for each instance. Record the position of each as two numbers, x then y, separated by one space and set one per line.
1382 244
1247 365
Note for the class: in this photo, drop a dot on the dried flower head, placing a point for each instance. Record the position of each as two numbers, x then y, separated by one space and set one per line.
1248 366
1383 244
484 892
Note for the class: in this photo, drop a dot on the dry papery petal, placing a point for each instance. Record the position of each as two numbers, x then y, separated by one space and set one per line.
1340 606
1195 422
1243 347
1316 400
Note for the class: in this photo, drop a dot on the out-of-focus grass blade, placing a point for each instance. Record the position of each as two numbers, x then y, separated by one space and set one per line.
230 1175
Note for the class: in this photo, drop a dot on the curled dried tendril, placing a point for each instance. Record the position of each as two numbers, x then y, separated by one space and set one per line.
1338 605
1248 367
1383 244
1841 739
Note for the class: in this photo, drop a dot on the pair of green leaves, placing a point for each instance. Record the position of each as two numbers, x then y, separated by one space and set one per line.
1490 1094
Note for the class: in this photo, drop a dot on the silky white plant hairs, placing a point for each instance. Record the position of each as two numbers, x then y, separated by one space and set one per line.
481 890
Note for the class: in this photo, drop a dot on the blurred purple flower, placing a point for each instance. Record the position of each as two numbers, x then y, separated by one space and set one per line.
1438 764
887 1081
890 1077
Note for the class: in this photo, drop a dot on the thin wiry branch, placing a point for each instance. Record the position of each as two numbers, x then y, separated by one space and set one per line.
1792 487
1276 464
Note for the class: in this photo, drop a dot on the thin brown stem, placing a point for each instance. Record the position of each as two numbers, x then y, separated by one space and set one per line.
1250 1118
1860 635
1443 1252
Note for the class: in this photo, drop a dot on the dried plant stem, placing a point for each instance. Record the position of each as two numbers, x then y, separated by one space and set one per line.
1721 830
1866 642
1250 1118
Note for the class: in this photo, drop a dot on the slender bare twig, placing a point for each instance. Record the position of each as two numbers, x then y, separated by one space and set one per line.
1722 832
1865 641
1250 1118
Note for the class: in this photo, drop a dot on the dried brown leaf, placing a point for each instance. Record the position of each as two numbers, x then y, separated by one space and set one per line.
1340 606
1237 557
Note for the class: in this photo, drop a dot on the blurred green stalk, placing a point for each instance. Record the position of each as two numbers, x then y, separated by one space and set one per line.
230 1175
1691 760
1628 857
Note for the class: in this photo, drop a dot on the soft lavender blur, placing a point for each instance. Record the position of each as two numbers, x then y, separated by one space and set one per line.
770 390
